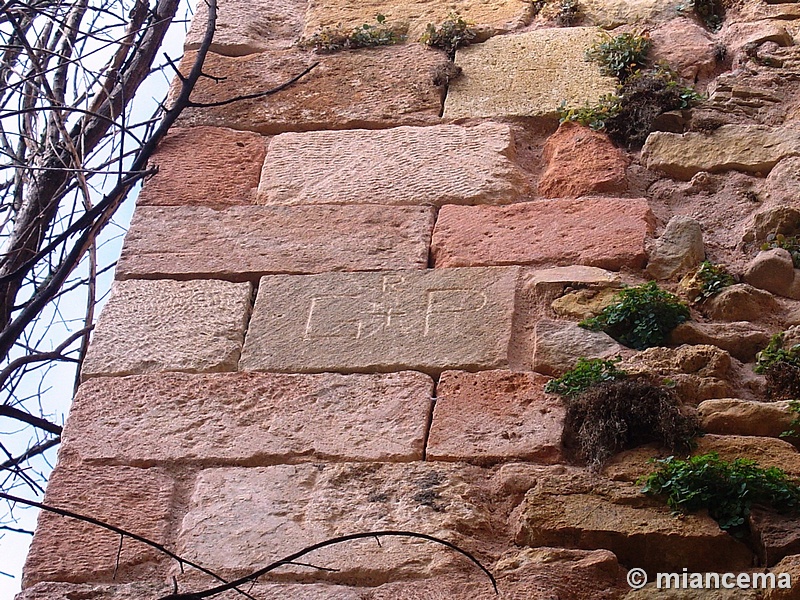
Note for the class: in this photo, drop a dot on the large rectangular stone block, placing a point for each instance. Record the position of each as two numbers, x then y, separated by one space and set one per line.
369 88
250 418
445 164
241 519
527 75
608 233
65 549
245 242
428 321
164 325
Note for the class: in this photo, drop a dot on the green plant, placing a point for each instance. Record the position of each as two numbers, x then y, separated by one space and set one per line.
781 368
789 243
711 12
612 416
641 316
794 426
586 373
713 279
620 56
726 489
593 116
568 13
453 33
333 39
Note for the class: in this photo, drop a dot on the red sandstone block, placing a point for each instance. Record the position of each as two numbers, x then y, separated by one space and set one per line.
208 166
137 500
495 416
601 232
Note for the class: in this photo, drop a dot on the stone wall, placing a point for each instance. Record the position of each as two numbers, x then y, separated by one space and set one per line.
338 305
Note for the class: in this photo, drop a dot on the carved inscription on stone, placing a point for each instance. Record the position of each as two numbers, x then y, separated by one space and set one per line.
432 320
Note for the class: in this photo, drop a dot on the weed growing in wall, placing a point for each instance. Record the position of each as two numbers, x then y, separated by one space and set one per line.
640 317
710 12
794 426
333 39
453 33
789 243
781 368
586 373
713 279
727 490
620 56
569 13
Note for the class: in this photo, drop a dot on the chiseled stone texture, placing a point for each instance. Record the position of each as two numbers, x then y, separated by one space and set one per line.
527 75
580 162
575 510
748 148
240 519
163 325
495 416
52 590
137 500
559 344
373 87
245 242
444 164
248 26
429 321
250 418
731 416
208 166
613 13
413 16
601 232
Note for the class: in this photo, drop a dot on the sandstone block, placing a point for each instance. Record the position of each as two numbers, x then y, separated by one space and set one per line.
783 218
495 416
581 162
791 566
444 164
652 592
730 416
613 13
686 47
412 17
773 271
740 302
207 166
748 148
49 590
600 232
559 345
776 536
146 326
640 531
526 75
557 279
244 242
252 418
678 249
584 303
781 185
246 27
73 551
741 339
429 321
369 88
241 519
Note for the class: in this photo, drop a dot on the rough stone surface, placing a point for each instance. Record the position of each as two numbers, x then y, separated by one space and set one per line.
748 148
374 87
581 162
782 183
73 551
252 418
731 416
240 519
246 27
147 326
679 248
652 592
740 302
741 339
783 218
495 416
584 303
526 75
773 271
776 536
556 280
790 565
699 372
559 344
741 35
572 510
208 166
48 590
244 242
686 47
430 321
444 164
601 232
413 16
612 13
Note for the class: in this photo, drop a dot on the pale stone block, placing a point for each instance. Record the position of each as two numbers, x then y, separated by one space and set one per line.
444 164
428 321
527 75
613 13
245 242
164 325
